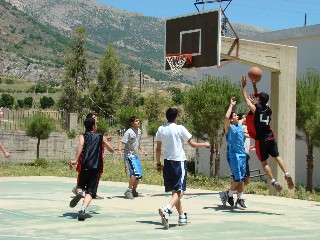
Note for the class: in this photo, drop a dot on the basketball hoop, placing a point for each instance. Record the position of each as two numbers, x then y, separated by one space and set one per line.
177 61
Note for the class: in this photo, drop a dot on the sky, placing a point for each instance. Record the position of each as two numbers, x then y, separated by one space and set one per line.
269 14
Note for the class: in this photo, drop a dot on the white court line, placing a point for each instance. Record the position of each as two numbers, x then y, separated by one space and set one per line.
30 237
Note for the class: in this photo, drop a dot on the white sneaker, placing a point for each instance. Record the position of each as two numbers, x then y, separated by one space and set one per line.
165 214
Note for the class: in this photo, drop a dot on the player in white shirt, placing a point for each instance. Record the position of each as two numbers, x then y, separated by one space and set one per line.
171 136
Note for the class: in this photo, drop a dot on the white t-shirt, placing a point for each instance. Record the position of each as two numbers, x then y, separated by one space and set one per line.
172 136
131 139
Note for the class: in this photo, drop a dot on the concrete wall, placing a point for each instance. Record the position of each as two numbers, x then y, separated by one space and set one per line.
59 147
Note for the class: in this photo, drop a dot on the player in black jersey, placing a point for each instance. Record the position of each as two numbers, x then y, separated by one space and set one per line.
265 142
89 157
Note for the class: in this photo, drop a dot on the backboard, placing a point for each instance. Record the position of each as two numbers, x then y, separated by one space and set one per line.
198 34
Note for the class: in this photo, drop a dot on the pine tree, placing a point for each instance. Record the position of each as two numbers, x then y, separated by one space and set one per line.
106 94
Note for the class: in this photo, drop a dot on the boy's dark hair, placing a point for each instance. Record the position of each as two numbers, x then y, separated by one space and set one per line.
240 116
264 98
89 123
133 118
171 114
231 115
90 115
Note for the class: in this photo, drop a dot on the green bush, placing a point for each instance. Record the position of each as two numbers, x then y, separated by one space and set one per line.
72 134
41 162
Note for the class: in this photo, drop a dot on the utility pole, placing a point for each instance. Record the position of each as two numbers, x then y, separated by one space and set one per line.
140 79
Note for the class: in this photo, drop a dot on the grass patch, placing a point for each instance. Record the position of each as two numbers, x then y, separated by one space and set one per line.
114 170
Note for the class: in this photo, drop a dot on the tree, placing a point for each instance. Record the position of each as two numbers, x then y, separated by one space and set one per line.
75 82
46 102
28 102
308 116
129 98
40 127
206 105
106 94
124 114
154 106
177 96
6 100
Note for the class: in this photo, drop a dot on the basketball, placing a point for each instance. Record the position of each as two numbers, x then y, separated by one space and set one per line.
255 74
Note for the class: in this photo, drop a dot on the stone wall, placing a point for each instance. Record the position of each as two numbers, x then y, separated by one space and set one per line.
59 147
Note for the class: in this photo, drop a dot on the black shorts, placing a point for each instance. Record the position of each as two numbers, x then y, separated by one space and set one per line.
266 148
175 175
89 180
247 166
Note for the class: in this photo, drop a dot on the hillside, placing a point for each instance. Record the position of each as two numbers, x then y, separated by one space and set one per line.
41 34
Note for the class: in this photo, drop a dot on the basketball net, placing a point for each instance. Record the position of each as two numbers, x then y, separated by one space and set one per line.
176 63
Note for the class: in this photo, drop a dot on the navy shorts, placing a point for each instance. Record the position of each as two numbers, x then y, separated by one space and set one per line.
266 148
134 166
175 175
247 166
89 181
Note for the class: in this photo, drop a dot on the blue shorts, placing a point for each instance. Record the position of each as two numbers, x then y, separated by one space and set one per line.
237 163
134 166
175 175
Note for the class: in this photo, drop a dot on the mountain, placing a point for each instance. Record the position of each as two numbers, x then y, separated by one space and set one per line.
46 24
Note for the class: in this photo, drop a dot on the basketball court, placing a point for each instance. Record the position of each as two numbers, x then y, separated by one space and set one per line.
38 208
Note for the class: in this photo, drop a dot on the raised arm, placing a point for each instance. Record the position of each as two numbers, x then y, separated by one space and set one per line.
245 95
228 113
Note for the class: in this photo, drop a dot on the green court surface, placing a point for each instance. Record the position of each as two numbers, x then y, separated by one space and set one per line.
38 208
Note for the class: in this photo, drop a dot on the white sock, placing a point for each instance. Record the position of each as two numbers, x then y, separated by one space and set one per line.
169 207
240 195
287 174
182 216
230 193
129 189
83 208
272 181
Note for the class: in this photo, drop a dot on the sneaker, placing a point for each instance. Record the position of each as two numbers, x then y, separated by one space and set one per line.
75 200
289 181
241 203
128 194
165 214
230 199
135 193
81 215
223 197
277 186
183 221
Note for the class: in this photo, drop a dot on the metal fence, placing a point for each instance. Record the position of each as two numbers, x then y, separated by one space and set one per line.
16 120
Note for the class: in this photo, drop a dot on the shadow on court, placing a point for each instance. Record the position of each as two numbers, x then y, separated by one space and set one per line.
38 208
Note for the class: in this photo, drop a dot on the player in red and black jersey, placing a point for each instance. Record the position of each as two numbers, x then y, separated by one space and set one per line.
265 143
89 156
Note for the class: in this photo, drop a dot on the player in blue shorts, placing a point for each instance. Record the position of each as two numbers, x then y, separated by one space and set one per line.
236 156
131 141
171 137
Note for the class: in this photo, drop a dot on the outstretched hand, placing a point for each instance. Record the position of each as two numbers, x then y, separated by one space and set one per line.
233 101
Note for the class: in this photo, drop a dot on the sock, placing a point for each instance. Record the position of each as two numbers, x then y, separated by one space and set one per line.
182 216
83 208
169 207
273 181
287 174
129 189
230 193
240 195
